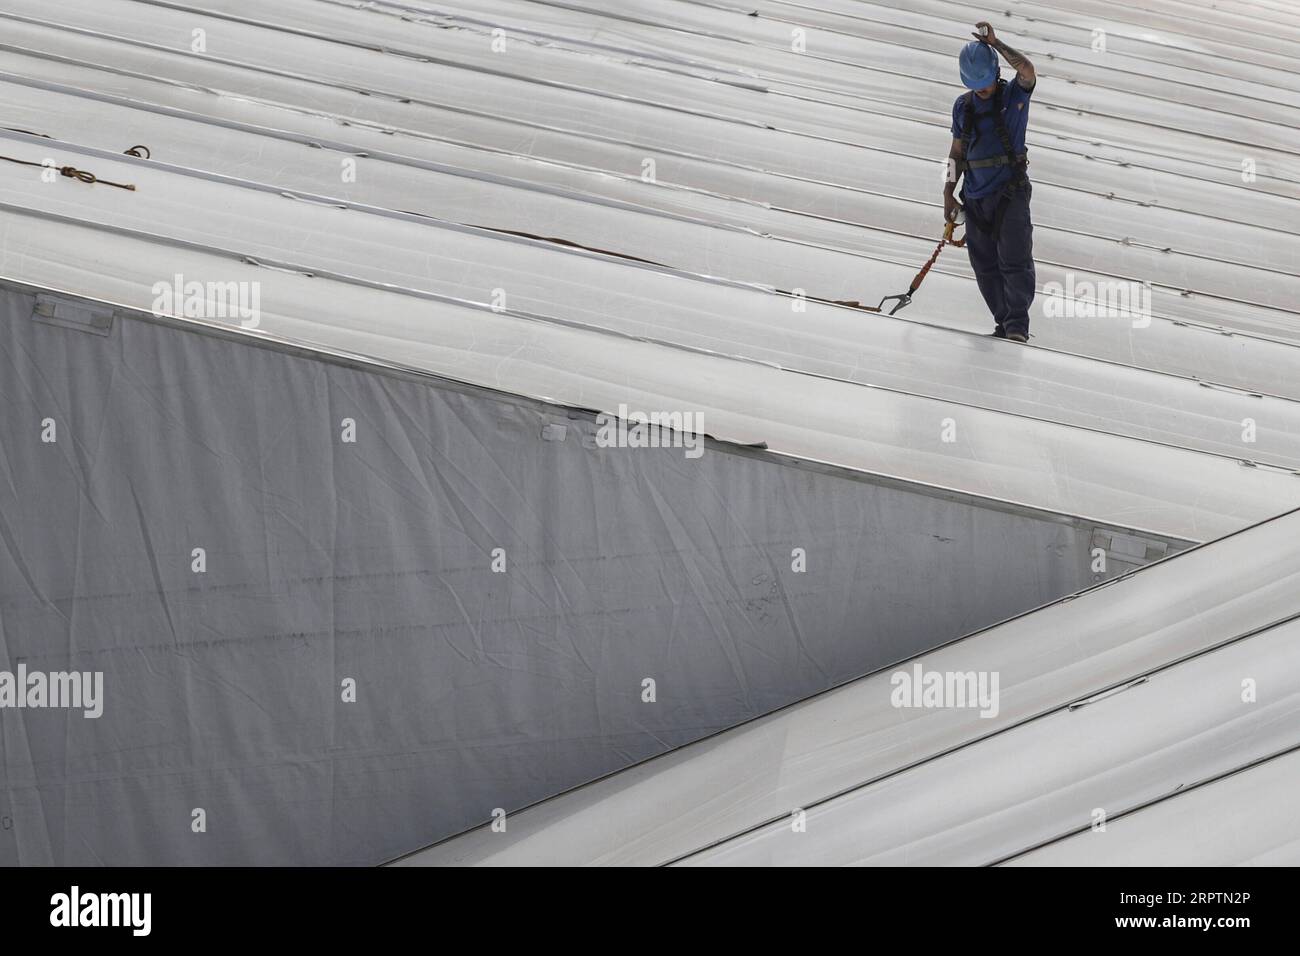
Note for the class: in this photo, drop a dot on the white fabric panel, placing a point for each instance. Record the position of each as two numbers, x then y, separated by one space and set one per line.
481 172
655 31
497 84
401 253
733 321
623 137
328 559
1094 475
749 45
1130 263
1068 222
1069 49
702 794
1182 726
1161 17
1249 818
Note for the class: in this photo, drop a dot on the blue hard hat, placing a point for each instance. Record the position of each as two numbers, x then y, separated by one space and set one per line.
979 65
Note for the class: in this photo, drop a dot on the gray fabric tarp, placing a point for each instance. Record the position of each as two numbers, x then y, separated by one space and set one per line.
372 561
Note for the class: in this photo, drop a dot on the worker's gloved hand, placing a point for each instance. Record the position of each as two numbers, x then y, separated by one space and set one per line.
951 208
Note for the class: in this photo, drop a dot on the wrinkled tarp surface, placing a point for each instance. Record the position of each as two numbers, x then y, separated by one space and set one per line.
885 784
371 561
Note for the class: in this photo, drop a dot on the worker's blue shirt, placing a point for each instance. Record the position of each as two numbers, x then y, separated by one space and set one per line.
986 142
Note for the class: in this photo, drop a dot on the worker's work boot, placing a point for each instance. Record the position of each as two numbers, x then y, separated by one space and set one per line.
1017 337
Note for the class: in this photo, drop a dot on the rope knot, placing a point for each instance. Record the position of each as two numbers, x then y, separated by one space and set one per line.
73 173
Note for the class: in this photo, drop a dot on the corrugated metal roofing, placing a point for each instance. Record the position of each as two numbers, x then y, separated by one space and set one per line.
708 318
672 199
1160 654
1245 818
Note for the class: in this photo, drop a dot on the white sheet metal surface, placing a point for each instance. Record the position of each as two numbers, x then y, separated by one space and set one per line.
1248 818
732 783
840 65
744 322
998 456
1069 48
775 171
782 160
561 90
331 559
1179 727
1140 263
825 216
677 33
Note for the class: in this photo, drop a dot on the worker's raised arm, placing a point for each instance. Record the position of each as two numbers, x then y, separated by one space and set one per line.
1018 61
950 204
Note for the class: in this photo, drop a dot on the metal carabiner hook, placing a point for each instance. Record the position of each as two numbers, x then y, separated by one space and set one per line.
904 298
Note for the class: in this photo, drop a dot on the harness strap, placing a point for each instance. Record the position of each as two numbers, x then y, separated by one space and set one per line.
1021 158
1017 169
1017 161
967 130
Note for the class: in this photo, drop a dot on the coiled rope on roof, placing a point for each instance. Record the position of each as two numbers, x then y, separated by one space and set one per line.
72 172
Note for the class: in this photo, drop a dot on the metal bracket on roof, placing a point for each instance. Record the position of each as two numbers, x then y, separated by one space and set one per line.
1134 243
314 202
1228 388
1104 694
1216 329
1134 202
73 314
387 97
348 150
249 260
1128 547
1103 159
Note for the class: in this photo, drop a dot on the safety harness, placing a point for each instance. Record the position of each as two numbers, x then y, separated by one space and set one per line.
1017 161
1019 179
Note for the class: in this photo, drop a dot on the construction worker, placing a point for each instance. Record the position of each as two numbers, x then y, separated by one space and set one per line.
988 153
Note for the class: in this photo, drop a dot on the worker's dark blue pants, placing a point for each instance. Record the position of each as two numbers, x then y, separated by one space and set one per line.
1003 258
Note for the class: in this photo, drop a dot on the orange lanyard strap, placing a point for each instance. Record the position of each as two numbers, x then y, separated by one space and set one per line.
947 240
906 297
